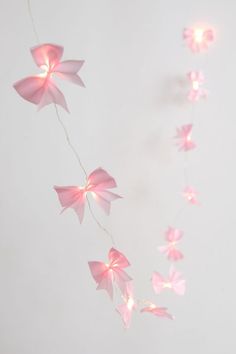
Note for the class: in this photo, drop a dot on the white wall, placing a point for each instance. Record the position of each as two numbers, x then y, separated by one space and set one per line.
123 121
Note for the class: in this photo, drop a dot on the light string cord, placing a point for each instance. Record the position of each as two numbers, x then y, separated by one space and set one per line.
98 222
70 143
76 154
32 21
67 136
85 174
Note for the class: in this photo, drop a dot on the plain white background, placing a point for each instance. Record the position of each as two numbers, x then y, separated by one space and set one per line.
124 121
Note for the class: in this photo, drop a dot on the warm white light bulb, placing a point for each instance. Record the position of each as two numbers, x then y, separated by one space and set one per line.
198 35
167 285
45 68
130 303
195 85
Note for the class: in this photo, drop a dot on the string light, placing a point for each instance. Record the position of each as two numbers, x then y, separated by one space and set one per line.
198 38
196 79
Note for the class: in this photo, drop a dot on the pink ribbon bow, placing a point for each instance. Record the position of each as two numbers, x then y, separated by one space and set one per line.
41 89
184 137
198 39
126 309
97 184
174 281
190 195
105 274
173 237
196 92
157 311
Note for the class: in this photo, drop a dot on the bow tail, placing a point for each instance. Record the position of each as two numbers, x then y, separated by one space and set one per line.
106 283
125 314
104 199
121 278
31 88
52 94
71 197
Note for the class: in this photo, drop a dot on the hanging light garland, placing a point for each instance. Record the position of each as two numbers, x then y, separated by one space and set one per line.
112 277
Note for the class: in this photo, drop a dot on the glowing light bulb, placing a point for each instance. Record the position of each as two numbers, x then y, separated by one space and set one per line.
196 79
167 285
198 35
195 85
198 38
130 303
184 137
46 70
191 195
44 67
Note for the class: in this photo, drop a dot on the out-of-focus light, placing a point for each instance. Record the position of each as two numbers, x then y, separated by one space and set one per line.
167 285
183 135
198 38
196 79
130 303
173 237
190 195
198 34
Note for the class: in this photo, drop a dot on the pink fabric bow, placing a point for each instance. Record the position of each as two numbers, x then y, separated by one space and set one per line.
196 92
97 184
157 311
184 137
105 274
190 195
41 89
173 237
174 281
126 309
198 39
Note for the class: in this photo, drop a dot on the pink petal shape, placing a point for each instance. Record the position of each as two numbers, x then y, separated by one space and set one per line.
173 254
196 76
103 276
47 55
68 70
99 179
40 89
52 94
126 314
157 282
173 236
31 88
72 197
98 182
184 138
174 281
117 259
178 283
157 311
126 309
106 274
104 199
190 195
